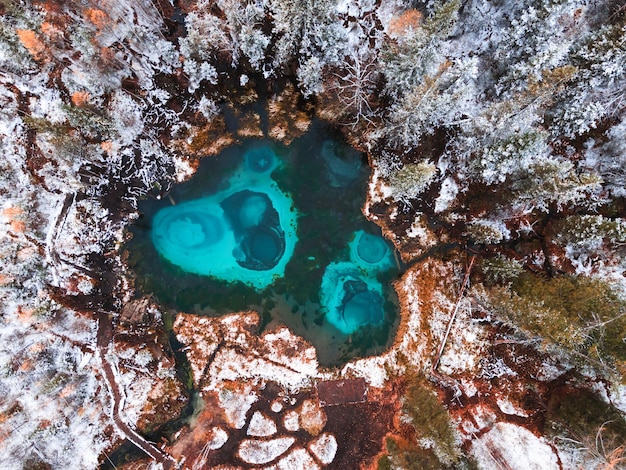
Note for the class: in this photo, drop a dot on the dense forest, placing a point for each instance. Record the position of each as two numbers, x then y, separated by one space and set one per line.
495 132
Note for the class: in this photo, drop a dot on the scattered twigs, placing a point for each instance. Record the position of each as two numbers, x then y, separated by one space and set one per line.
453 316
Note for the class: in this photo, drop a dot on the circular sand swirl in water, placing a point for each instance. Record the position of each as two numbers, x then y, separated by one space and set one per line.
363 308
190 230
265 246
350 298
260 159
371 248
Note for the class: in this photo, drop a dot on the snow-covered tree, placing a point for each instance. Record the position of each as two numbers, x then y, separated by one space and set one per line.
441 100
305 30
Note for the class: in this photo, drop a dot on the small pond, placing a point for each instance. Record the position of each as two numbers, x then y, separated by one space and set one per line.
278 230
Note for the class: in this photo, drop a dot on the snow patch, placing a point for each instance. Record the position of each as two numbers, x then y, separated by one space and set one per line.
260 452
447 195
236 404
298 459
218 438
261 426
291 421
509 408
513 446
324 448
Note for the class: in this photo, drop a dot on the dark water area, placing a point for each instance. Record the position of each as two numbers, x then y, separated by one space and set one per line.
289 227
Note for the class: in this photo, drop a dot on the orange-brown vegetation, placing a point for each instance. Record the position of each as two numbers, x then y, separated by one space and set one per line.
68 390
5 280
429 280
210 139
26 365
25 315
193 438
18 226
32 42
80 98
51 30
100 19
14 214
286 121
250 126
409 20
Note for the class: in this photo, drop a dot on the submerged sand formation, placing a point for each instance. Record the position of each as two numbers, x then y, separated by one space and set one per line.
351 295
244 233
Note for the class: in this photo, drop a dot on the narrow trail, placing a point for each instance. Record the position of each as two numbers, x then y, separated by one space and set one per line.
105 337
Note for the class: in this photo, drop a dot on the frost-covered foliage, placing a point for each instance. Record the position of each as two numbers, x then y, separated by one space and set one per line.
48 378
206 37
522 101
411 180
72 133
440 99
491 122
53 410
609 159
418 54
584 316
309 32
487 232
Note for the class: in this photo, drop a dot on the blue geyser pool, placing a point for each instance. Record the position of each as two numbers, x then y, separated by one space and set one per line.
245 233
278 230
351 295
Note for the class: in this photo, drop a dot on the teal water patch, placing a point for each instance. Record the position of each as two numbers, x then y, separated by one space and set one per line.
260 227
351 295
244 233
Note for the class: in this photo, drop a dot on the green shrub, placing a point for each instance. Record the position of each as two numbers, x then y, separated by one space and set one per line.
579 313
583 419
430 419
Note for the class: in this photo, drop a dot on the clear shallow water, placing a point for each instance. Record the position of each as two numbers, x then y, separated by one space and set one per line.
278 230
244 233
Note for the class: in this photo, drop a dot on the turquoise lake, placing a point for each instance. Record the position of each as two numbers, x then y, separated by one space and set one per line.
278 230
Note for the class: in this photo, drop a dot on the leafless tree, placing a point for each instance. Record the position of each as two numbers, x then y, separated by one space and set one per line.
354 86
